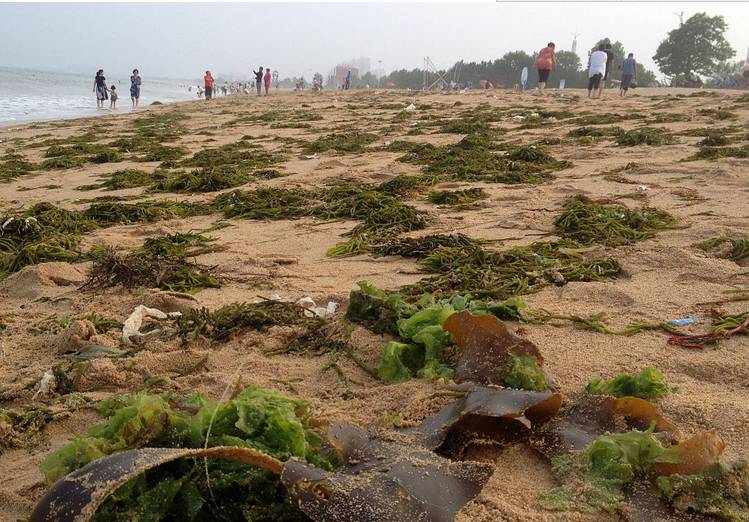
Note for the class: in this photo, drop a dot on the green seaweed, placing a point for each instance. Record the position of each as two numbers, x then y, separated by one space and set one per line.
13 165
122 179
224 322
733 248
457 197
264 203
653 136
190 489
588 222
524 373
594 479
719 490
647 384
420 247
341 142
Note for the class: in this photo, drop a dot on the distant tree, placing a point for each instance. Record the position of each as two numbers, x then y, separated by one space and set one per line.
726 72
569 69
317 79
645 78
368 79
696 46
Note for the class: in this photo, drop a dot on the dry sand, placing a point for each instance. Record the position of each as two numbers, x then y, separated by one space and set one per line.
663 278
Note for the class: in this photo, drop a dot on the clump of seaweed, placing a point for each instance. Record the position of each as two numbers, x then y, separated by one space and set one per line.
191 489
264 203
13 165
406 185
420 247
24 429
594 479
719 490
603 119
653 136
457 197
62 163
343 143
108 213
712 153
647 384
224 322
718 114
474 159
516 271
589 222
595 132
122 179
161 263
733 248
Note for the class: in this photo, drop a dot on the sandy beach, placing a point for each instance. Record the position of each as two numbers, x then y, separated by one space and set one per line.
662 278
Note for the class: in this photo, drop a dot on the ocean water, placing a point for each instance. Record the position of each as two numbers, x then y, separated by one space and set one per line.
28 95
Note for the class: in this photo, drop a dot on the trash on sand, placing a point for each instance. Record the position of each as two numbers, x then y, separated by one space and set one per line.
131 327
642 188
46 385
723 327
518 117
312 310
309 156
682 322
411 107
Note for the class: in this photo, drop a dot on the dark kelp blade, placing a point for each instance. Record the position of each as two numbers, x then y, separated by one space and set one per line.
487 414
591 416
484 347
76 497
383 481
643 503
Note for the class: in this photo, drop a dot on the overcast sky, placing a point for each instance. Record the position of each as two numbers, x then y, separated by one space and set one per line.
182 40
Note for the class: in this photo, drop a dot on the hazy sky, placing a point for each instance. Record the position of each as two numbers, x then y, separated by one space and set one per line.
182 40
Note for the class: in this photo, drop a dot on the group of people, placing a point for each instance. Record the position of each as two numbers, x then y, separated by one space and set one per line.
263 77
104 93
600 69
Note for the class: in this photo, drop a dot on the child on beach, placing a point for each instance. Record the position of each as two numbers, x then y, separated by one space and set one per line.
267 80
113 97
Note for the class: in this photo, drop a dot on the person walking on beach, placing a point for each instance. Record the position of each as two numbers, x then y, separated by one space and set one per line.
208 80
596 70
609 64
100 88
629 73
135 88
348 80
267 79
113 97
259 80
546 62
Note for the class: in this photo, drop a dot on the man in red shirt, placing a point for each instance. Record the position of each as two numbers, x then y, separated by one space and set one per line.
208 85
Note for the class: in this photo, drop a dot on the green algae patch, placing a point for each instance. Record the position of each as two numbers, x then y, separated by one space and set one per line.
589 222
720 490
264 203
712 153
457 198
192 489
594 479
524 373
595 132
653 136
420 247
342 143
647 384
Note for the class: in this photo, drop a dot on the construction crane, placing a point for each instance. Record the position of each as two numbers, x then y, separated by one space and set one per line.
574 42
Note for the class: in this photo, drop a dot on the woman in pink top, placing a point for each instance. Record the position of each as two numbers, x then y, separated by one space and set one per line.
545 63
267 79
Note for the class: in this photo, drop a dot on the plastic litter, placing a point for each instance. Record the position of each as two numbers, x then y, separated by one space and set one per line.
311 156
682 322
411 108
518 117
642 188
312 310
131 327
46 385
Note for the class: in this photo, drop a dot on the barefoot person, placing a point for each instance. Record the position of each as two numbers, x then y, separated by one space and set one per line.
113 97
629 73
546 62
596 70
135 88
208 80
259 80
100 88
267 79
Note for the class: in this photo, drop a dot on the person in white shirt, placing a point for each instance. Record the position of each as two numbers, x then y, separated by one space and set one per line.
597 70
